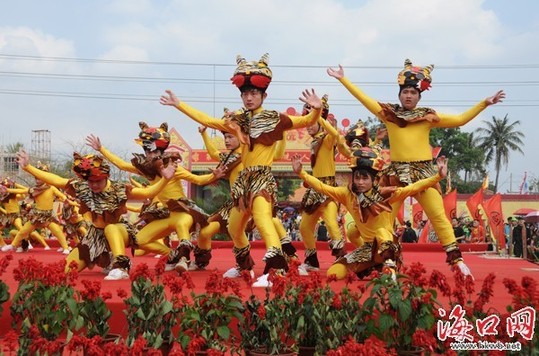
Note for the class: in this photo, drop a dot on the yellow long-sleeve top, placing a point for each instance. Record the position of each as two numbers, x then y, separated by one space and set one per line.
12 204
411 143
367 223
173 189
44 200
325 157
259 154
99 221
236 169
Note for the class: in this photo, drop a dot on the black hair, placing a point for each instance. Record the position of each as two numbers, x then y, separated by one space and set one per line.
402 87
248 87
408 223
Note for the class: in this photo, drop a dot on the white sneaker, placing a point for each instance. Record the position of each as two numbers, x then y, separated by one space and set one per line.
61 249
169 267
7 248
157 256
19 249
305 268
182 266
30 247
47 248
194 267
262 282
66 251
117 274
235 272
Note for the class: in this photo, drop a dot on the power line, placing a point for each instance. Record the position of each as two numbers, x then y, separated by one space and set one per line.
225 100
123 61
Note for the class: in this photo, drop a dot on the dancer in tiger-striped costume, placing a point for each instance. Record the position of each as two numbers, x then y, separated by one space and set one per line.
408 129
170 211
315 205
254 191
370 206
102 202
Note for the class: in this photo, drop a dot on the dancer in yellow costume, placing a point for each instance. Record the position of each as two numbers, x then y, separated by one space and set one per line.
217 223
74 224
11 212
41 214
254 191
170 211
316 206
356 137
408 128
370 206
102 202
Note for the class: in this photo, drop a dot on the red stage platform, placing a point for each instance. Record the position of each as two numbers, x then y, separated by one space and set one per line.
430 255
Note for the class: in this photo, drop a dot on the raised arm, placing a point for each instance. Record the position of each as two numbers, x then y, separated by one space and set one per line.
447 120
370 104
47 177
202 118
210 146
95 143
310 98
313 182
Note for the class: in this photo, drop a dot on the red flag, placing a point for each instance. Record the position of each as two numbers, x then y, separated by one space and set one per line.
493 209
424 236
417 215
450 204
473 202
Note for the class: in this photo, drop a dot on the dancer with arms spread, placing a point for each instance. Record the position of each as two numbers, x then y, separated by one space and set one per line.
408 129
254 191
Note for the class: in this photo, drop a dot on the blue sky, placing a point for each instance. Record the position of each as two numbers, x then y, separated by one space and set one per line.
81 67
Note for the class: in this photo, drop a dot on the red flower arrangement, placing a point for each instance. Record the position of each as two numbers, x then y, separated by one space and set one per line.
44 307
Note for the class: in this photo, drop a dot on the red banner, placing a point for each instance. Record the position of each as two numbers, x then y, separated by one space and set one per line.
473 203
417 215
450 204
424 236
493 209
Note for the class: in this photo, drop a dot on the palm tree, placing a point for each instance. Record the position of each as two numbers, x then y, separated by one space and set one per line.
498 139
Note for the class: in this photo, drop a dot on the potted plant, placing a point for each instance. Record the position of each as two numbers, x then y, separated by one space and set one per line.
44 308
95 314
149 313
206 318
401 312
266 325
4 289
320 318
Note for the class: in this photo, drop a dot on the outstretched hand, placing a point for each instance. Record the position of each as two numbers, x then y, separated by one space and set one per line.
202 129
441 162
22 158
296 163
310 98
93 141
496 98
169 99
381 133
336 73
168 171
219 171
